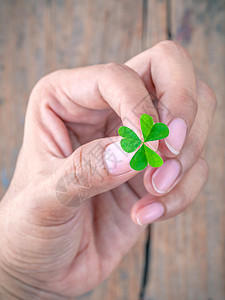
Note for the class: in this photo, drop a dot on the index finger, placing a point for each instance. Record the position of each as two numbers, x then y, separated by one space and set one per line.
168 73
74 95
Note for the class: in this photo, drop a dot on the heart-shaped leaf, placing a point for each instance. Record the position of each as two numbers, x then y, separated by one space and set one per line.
128 133
146 125
159 131
130 140
130 145
153 158
139 160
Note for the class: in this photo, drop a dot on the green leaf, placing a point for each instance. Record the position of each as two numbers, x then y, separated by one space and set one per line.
159 131
131 142
139 160
130 145
128 133
146 125
153 158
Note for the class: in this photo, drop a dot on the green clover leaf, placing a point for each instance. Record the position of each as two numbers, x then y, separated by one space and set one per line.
131 141
144 155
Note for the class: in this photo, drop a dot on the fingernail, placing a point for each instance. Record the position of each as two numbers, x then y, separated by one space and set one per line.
117 161
150 213
164 177
176 138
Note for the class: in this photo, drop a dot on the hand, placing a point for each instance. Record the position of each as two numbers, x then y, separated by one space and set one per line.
66 217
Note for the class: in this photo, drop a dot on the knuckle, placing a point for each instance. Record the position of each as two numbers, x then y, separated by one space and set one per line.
114 69
184 199
47 83
188 101
192 152
208 94
187 95
167 44
74 187
78 177
79 169
171 47
88 168
43 83
43 90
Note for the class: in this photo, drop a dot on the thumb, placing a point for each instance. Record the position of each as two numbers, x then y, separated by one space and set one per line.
93 168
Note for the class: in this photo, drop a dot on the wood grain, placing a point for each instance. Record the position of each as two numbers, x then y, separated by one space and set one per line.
155 22
188 259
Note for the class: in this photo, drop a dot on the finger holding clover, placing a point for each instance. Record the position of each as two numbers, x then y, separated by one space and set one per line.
186 105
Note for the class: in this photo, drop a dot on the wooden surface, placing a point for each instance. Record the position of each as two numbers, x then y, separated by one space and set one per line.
37 37
188 259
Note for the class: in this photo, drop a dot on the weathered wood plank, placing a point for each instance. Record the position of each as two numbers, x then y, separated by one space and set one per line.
188 251
155 22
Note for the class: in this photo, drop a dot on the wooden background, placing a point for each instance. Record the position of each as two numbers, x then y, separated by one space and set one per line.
186 254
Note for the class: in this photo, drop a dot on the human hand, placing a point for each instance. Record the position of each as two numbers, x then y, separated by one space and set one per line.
66 217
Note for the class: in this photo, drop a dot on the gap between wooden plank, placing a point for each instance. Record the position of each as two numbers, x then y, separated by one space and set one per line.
147 264
168 20
144 21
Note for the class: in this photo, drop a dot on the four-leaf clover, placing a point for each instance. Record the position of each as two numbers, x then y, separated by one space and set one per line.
144 155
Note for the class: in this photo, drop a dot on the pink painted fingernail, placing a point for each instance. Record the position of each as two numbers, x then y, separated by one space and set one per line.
177 135
164 177
150 213
116 159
